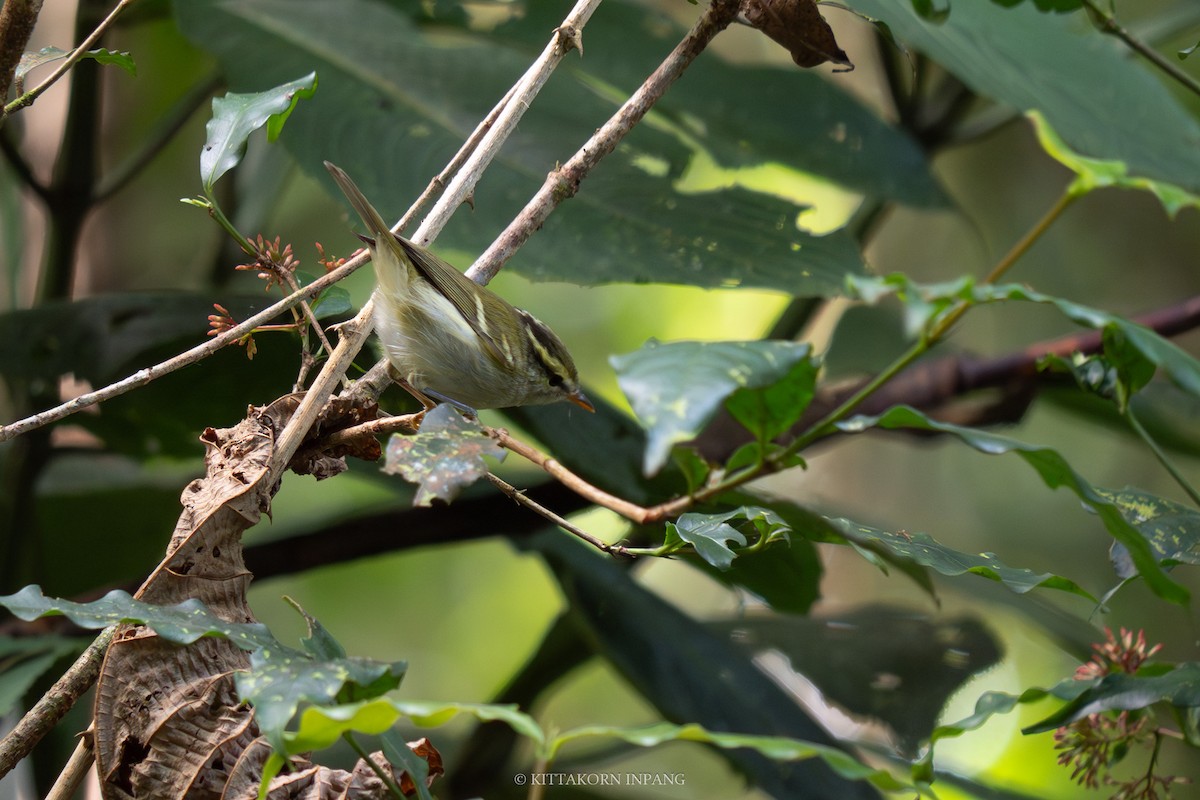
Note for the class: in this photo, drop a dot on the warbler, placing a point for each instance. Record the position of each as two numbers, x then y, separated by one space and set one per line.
449 339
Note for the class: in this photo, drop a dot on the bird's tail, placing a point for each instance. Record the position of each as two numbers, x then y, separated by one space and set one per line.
390 268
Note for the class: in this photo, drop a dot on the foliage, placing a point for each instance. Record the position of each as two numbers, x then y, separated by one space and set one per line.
704 475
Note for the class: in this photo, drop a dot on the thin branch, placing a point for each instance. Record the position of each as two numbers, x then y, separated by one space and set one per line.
198 353
522 500
563 182
631 511
566 38
33 94
355 333
1108 24
54 704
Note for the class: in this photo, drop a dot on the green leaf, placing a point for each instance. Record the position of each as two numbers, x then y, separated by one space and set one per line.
708 534
1187 51
774 747
322 726
444 457
1095 173
688 673
24 660
920 548
398 102
1054 471
47 55
887 663
677 388
1059 6
991 703
106 338
769 411
182 623
280 679
236 116
1171 528
1119 692
1124 341
928 11
399 754
785 575
1006 54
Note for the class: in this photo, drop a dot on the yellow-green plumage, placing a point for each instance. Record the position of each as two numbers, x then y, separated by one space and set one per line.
447 335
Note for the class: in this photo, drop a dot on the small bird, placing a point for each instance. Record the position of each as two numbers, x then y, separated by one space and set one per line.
449 339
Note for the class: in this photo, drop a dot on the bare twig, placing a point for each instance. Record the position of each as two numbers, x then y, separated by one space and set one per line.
33 94
1107 23
564 181
631 511
76 770
522 500
198 353
566 38
460 188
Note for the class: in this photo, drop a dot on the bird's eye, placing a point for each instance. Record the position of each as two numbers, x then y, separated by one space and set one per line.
556 379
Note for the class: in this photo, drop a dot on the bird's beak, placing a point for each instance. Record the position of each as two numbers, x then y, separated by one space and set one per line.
580 399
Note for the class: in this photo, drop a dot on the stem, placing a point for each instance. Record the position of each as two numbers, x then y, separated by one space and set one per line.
33 94
1161 455
388 780
542 511
1108 24
566 38
73 774
198 353
1010 258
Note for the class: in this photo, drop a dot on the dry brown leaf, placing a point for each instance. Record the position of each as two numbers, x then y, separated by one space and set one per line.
798 26
168 723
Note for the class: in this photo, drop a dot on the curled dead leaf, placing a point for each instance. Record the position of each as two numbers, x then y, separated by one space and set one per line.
798 26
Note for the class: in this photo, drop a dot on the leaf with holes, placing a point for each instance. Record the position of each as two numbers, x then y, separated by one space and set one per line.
1172 529
444 457
1054 472
183 623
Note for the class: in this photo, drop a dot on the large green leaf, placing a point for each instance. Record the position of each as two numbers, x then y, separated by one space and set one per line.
775 747
921 548
1065 68
396 102
925 660
690 674
1054 471
677 388
235 116
734 112
24 660
182 623
1180 687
